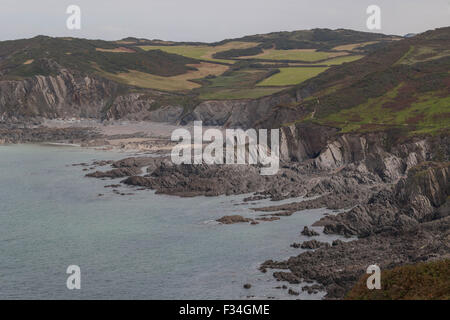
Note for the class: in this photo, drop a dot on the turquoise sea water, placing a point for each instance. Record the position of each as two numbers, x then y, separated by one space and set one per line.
140 246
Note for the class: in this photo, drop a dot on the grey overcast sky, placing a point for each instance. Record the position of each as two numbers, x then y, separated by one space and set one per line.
212 20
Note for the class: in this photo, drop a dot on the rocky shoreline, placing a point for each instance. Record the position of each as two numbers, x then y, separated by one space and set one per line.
392 200
396 206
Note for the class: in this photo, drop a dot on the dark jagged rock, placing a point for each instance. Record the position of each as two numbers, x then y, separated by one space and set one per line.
412 200
313 244
138 162
309 232
315 288
293 292
233 219
268 218
337 268
29 133
115 173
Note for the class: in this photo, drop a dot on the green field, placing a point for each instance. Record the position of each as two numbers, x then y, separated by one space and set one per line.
195 52
189 68
296 54
292 76
236 85
237 79
340 60
181 82
201 52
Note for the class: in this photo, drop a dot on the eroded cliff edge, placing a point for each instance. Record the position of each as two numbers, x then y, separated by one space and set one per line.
394 190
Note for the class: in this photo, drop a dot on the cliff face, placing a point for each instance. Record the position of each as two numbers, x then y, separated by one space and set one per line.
379 153
419 196
65 94
427 181
414 173
140 107
236 113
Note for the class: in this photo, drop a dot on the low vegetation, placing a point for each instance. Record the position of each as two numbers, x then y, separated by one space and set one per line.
304 55
245 68
397 87
201 52
247 93
292 76
340 60
82 55
423 281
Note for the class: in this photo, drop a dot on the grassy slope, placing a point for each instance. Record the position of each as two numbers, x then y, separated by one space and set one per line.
277 47
428 113
403 85
180 82
340 60
307 55
170 66
292 76
84 56
423 281
322 39
201 52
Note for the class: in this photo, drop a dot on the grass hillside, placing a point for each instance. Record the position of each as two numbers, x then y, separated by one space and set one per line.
25 58
245 68
404 86
423 281
321 39
292 76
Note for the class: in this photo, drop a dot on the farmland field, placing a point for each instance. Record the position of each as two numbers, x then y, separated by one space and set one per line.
307 55
238 79
244 79
340 60
201 52
119 49
292 76
354 46
174 83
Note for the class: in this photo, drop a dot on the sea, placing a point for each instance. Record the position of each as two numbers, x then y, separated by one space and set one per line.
140 245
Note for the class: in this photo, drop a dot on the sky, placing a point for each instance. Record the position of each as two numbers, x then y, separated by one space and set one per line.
212 20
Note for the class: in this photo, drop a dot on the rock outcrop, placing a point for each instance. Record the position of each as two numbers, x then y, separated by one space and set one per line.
338 268
115 173
233 219
412 200
64 94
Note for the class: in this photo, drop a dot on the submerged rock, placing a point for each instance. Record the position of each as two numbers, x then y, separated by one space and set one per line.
309 232
313 244
233 219
115 173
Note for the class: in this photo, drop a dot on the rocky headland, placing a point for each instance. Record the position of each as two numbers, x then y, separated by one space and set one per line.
393 202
